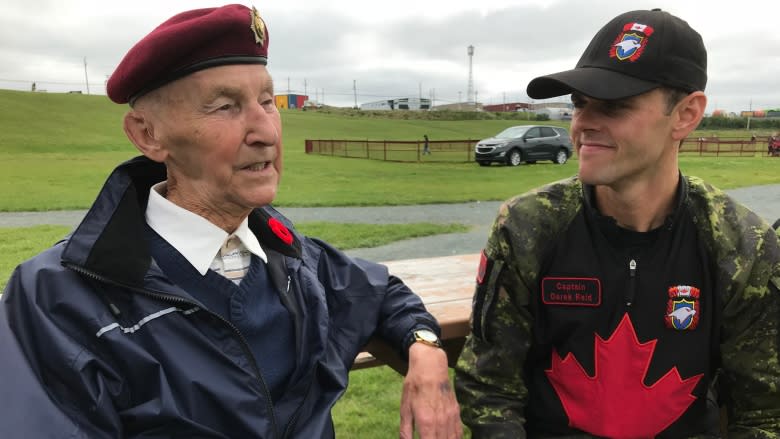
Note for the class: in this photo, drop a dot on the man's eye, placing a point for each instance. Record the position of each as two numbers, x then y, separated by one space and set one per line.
614 107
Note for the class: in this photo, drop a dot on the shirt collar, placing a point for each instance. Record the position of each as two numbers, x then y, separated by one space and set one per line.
179 226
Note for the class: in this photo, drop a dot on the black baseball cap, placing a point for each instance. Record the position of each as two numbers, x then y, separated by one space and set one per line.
634 53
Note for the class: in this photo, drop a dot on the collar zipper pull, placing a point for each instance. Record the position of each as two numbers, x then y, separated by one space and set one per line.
632 276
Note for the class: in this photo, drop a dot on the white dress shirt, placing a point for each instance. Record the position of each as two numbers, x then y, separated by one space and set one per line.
197 239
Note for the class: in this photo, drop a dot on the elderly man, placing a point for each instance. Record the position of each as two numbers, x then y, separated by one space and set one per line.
184 305
630 301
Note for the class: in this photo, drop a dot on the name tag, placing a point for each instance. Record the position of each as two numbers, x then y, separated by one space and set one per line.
571 291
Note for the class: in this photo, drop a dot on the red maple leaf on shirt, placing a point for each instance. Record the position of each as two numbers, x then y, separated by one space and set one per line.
615 402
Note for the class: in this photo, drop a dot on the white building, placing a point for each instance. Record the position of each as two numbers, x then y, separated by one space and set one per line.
555 113
398 104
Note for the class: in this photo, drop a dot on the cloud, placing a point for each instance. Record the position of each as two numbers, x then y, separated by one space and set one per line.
394 49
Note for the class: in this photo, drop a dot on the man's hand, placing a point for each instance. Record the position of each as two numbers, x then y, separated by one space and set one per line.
428 402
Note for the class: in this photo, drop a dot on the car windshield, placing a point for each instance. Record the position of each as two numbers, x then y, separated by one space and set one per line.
511 133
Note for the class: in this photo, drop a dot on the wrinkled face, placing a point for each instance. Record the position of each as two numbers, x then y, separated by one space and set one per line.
221 133
623 141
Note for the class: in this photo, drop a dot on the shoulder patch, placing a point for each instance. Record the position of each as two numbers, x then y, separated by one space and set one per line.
682 309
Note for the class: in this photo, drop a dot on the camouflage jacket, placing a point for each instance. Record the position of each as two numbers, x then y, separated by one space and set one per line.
567 341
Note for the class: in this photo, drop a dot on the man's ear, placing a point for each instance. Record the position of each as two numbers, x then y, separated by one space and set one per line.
688 113
139 128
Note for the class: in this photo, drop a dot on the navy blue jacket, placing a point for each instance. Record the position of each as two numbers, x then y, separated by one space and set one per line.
103 345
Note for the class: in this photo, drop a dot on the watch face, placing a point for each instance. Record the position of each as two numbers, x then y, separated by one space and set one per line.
427 336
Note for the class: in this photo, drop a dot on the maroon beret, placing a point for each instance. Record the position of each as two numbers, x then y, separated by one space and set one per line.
188 42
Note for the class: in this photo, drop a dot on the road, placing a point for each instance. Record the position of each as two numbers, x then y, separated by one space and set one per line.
764 200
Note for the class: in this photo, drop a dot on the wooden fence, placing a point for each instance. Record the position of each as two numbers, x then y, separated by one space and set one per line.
462 151
725 146
395 150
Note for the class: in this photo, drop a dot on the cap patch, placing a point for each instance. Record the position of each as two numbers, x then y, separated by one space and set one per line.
682 309
258 27
629 44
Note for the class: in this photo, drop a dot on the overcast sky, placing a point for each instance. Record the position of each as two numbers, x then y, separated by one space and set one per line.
397 48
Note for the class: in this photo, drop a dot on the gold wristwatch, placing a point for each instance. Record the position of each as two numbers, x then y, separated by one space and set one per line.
428 337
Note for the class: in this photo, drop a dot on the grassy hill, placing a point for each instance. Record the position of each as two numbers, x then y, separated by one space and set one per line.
57 150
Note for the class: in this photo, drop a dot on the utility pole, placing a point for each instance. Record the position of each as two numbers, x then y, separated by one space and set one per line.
86 78
304 88
288 85
420 90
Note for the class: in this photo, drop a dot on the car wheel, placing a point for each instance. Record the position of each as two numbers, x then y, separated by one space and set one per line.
484 163
561 157
514 158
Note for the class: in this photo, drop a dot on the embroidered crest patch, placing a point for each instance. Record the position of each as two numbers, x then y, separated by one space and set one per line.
682 309
631 42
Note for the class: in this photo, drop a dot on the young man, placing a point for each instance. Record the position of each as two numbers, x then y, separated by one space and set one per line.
630 301
184 305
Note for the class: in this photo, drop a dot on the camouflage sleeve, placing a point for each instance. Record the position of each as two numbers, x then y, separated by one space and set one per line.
747 254
489 374
751 343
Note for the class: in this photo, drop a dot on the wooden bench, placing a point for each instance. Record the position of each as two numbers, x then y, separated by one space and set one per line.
446 286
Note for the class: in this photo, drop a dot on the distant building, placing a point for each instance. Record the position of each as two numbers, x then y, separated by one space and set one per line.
509 106
290 101
555 113
567 105
416 104
754 113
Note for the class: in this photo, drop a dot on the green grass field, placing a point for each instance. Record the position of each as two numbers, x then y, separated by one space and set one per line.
57 149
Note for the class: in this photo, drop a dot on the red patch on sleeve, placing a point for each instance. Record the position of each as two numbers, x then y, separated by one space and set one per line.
484 267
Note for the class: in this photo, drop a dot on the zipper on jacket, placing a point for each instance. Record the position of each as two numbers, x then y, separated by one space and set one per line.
294 419
631 290
178 300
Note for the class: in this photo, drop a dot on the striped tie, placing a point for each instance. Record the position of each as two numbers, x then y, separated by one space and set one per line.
233 260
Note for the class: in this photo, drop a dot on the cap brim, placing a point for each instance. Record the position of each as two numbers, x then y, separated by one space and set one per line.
590 81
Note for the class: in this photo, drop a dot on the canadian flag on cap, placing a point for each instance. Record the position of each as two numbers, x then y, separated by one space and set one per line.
639 27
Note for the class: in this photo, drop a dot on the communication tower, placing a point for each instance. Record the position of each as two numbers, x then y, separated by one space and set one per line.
470 92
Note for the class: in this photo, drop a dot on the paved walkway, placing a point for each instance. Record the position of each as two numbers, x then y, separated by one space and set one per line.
764 200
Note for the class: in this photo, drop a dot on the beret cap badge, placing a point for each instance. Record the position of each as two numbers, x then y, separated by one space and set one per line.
258 27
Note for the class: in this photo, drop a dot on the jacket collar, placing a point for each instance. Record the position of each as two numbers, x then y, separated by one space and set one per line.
617 234
110 239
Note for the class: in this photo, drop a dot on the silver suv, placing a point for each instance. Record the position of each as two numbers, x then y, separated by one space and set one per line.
525 143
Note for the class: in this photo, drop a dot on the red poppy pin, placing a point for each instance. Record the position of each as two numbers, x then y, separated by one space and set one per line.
280 230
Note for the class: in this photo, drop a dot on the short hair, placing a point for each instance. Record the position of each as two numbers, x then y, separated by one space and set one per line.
673 97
